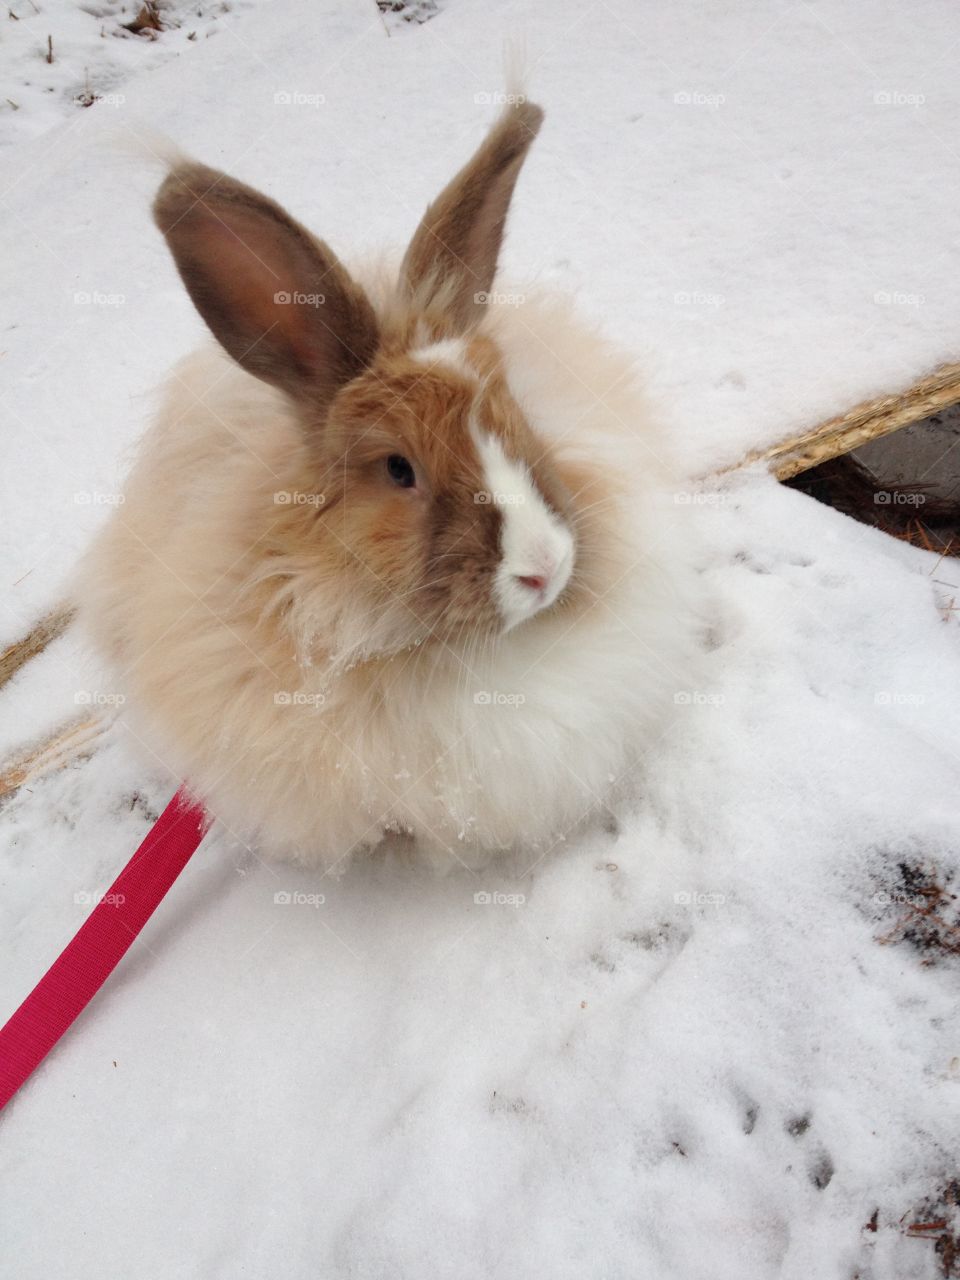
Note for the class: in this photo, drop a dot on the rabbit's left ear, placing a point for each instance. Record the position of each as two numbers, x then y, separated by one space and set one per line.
450 264
274 296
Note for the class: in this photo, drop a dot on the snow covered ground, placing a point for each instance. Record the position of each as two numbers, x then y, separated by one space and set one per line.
720 1041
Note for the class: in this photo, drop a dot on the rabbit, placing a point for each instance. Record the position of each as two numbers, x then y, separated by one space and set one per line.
397 556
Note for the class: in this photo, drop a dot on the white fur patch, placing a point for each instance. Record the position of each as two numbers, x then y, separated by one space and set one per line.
449 351
535 541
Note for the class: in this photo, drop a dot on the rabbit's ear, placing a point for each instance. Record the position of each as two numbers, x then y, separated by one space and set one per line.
452 257
276 298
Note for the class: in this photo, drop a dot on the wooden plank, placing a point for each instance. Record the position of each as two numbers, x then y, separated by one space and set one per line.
47 629
75 740
866 421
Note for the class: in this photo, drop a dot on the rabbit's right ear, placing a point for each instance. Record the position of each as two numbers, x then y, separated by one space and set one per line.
452 258
277 299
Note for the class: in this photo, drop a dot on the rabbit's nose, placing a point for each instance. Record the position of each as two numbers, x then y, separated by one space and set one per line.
535 581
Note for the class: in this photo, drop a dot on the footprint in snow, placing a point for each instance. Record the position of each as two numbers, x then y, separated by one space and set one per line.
820 1166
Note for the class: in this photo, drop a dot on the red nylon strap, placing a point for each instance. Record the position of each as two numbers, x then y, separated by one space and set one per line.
87 961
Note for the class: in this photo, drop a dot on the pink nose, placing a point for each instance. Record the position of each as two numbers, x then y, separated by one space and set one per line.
535 581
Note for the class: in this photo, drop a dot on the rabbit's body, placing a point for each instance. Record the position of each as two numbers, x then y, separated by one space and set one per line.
310 685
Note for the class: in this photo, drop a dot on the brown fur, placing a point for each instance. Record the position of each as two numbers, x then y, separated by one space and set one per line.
239 253
452 257
433 547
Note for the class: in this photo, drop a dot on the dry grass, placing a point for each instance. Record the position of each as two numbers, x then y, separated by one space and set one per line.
928 912
938 1220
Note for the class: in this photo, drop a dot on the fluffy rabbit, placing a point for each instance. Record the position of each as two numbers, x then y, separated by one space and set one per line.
401 560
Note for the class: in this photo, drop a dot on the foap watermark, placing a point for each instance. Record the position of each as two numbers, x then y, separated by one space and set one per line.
494 698
889 698
293 98
696 98
88 98
898 498
297 898
490 498
899 899
497 299
691 898
297 498
698 698
697 298
294 298
298 698
94 498
94 298
499 99
898 98
98 698
495 898
94 898
897 298
690 498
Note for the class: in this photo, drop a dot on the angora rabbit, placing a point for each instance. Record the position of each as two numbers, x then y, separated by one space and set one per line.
395 556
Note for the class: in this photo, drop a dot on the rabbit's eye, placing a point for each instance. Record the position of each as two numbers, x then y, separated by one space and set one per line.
400 471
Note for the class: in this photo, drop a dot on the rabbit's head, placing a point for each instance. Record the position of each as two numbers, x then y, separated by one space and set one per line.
438 504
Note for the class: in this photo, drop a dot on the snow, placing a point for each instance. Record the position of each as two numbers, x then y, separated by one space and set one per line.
60 59
677 1049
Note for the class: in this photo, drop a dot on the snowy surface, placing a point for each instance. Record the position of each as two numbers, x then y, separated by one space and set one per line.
59 59
600 1074
677 1050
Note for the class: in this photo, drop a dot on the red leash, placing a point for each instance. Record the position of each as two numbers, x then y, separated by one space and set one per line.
87 961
